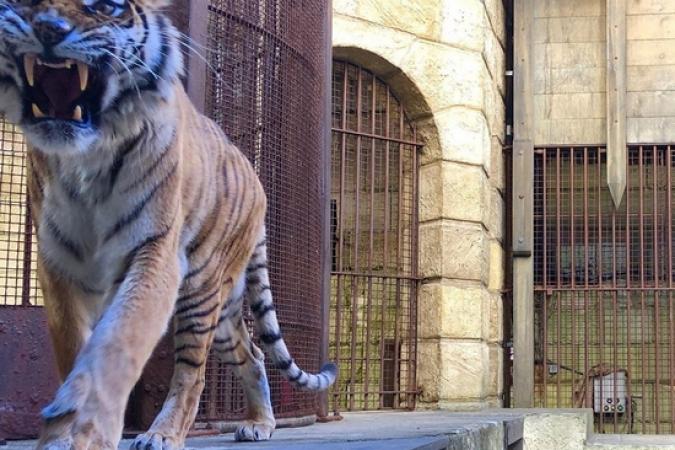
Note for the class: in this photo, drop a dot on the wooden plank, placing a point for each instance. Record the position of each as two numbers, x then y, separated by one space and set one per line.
569 80
568 8
651 78
651 130
656 52
523 201
569 29
573 54
653 104
576 105
652 26
650 6
616 99
523 333
196 80
582 131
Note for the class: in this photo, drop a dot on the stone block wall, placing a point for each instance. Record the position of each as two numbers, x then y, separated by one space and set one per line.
444 60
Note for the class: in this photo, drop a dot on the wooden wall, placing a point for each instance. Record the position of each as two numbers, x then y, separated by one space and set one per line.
570 74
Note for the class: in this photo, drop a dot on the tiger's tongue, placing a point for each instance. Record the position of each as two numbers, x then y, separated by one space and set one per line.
62 88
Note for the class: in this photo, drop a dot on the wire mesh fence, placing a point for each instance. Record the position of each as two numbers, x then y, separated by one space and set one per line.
604 329
266 62
18 279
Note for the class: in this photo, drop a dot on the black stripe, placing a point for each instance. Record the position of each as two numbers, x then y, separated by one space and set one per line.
294 379
70 190
128 146
255 268
64 241
186 308
252 278
163 54
195 329
200 313
194 246
150 169
187 347
270 338
150 240
131 256
263 312
285 365
233 363
189 362
231 348
226 230
138 209
224 340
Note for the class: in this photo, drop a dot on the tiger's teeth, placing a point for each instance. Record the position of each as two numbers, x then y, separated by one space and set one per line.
29 67
37 112
77 113
68 64
83 71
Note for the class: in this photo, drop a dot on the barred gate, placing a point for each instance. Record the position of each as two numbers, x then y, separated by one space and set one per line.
373 312
604 312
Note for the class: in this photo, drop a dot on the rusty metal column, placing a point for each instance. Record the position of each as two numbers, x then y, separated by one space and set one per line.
325 197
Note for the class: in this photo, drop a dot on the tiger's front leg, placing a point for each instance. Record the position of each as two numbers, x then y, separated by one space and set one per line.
88 411
196 318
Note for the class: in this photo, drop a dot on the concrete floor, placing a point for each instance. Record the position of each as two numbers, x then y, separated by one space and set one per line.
435 430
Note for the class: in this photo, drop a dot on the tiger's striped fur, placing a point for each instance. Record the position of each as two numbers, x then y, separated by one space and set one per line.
145 214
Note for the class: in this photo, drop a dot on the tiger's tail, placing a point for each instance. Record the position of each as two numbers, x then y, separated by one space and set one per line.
259 296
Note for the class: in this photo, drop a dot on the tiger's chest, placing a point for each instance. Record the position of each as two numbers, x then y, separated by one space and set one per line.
87 228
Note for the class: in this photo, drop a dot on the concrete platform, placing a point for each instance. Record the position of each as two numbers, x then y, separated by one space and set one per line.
435 430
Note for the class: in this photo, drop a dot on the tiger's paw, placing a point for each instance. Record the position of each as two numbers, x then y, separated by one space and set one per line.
254 431
72 433
69 398
155 441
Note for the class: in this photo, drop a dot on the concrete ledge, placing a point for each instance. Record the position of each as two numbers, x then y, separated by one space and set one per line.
630 442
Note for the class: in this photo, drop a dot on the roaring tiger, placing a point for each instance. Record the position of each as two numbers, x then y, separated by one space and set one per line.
145 213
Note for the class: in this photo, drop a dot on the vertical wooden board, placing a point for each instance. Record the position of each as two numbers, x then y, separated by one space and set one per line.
523 333
523 187
616 99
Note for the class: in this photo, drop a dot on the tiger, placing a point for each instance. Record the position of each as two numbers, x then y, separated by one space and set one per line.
148 218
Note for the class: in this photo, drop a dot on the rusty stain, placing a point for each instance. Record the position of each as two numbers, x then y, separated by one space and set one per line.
28 374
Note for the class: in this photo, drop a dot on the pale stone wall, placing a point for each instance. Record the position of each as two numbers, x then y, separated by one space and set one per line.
570 74
444 60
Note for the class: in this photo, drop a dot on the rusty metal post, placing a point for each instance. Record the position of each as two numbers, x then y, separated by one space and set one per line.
325 196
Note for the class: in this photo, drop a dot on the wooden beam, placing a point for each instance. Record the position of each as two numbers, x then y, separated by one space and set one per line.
196 67
523 210
616 99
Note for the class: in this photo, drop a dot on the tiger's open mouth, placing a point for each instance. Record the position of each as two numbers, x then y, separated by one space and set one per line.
61 89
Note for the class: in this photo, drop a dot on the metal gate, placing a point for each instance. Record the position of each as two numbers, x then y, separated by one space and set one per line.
604 312
373 323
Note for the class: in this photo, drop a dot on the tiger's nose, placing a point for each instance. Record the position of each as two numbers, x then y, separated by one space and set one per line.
51 30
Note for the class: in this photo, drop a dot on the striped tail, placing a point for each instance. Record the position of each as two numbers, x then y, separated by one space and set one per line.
259 296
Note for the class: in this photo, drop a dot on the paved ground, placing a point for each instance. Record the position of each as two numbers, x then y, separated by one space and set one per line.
360 431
